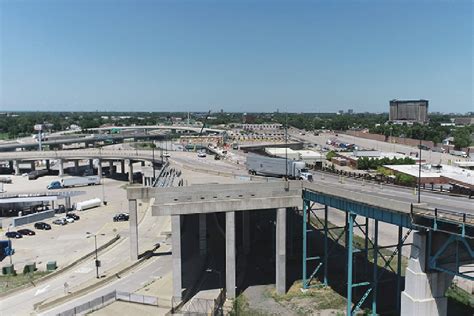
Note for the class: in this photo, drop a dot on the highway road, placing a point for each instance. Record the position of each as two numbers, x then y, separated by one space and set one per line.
438 200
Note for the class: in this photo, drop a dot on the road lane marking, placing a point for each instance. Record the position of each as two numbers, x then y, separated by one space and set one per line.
42 290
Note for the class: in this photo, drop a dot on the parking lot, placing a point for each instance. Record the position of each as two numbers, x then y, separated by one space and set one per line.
66 243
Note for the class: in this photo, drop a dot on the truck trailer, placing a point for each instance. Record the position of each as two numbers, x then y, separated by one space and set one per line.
74 182
84 205
278 167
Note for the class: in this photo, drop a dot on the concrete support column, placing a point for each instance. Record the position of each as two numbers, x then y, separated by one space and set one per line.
10 166
230 254
202 235
280 254
61 167
76 166
176 255
99 168
33 166
130 171
16 165
91 164
122 166
67 202
246 232
111 167
424 292
133 221
48 165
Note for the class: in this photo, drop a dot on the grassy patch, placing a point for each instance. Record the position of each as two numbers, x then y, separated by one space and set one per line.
459 295
4 136
240 307
8 282
315 298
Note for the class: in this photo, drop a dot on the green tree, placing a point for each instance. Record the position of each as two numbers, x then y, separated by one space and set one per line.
462 137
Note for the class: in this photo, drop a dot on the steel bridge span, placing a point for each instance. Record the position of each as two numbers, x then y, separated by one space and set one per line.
442 239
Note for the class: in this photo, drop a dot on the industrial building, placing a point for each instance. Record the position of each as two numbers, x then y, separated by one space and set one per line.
409 111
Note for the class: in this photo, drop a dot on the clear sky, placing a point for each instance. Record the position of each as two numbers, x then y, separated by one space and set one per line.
300 56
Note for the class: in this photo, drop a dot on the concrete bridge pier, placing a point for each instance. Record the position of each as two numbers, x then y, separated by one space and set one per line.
48 165
130 171
176 255
133 221
122 166
16 165
424 291
111 167
76 166
99 168
10 166
33 166
280 260
230 254
61 167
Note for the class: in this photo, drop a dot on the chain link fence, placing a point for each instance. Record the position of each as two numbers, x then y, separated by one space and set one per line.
104 300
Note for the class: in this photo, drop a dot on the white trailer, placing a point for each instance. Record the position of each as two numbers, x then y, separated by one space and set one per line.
84 205
79 181
459 153
278 167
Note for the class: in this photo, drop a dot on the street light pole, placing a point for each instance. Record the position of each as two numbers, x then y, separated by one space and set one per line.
97 262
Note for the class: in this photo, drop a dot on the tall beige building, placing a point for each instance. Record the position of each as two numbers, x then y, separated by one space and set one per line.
409 110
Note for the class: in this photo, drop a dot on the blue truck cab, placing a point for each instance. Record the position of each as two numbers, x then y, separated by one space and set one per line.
54 185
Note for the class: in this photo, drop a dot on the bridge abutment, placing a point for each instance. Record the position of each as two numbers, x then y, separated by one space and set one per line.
424 292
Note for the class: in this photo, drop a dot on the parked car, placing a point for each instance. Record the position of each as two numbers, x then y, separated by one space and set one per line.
121 217
202 154
73 216
26 232
68 219
42 226
60 221
13 235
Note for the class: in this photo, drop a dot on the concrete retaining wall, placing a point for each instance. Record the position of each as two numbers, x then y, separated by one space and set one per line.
27 219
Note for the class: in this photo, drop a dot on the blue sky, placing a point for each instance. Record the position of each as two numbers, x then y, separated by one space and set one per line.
300 56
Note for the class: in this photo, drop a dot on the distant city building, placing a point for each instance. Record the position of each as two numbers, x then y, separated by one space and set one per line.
464 121
409 111
350 111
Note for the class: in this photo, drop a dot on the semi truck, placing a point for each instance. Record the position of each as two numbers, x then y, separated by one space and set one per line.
74 182
278 167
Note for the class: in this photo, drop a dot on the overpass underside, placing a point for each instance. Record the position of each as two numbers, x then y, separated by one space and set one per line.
225 229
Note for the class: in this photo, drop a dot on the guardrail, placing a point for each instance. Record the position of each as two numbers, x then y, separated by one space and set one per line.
437 219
